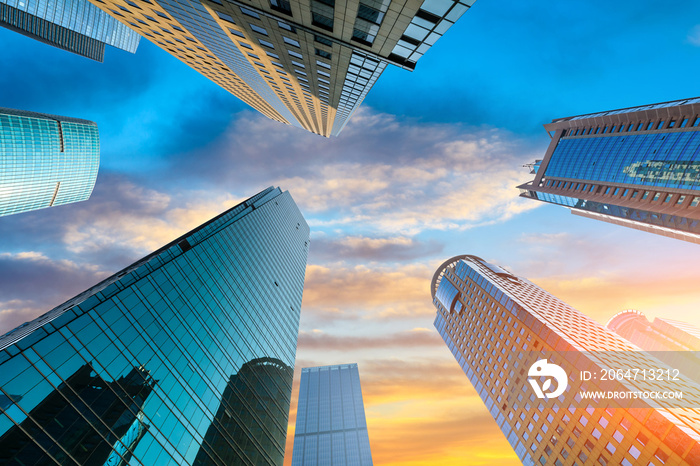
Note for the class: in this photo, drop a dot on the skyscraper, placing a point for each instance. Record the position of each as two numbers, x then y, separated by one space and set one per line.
638 167
331 429
507 334
206 324
659 335
309 64
74 25
676 343
45 160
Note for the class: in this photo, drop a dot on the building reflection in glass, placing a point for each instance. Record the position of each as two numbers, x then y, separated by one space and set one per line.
250 426
81 421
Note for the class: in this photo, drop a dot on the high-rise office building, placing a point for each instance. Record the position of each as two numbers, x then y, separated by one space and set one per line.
183 357
45 160
74 25
331 428
658 335
309 64
637 167
676 343
502 329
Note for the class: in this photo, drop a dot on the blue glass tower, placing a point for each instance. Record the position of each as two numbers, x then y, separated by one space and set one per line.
184 357
45 160
74 25
638 167
331 429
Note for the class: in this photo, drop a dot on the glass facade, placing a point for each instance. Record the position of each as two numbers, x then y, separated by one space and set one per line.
74 25
184 357
331 429
45 160
499 324
637 167
654 219
666 160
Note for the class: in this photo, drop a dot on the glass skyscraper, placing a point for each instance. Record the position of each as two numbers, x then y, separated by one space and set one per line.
45 160
74 25
638 167
331 429
507 333
309 64
184 357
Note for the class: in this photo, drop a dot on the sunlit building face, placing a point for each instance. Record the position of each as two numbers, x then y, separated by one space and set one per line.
307 64
502 329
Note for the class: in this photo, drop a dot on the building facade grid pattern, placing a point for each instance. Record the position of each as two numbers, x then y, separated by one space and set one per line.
331 428
490 318
191 315
45 160
292 61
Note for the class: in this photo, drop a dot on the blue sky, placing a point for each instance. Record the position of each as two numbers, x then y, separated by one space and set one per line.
426 170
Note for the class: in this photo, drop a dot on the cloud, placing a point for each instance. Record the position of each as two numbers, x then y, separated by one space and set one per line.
364 248
315 341
32 283
338 292
694 36
383 175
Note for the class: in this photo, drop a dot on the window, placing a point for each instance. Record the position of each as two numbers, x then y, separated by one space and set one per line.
656 197
249 12
162 15
672 123
324 65
645 195
624 193
660 125
641 438
286 26
322 40
634 451
668 197
323 54
684 122
634 194
611 448
696 122
258 29
282 6
695 201
616 191
295 54
291 42
244 45
225 17
650 125
618 436
661 455
266 44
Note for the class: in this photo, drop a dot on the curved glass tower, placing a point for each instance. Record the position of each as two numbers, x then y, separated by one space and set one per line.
45 160
184 357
